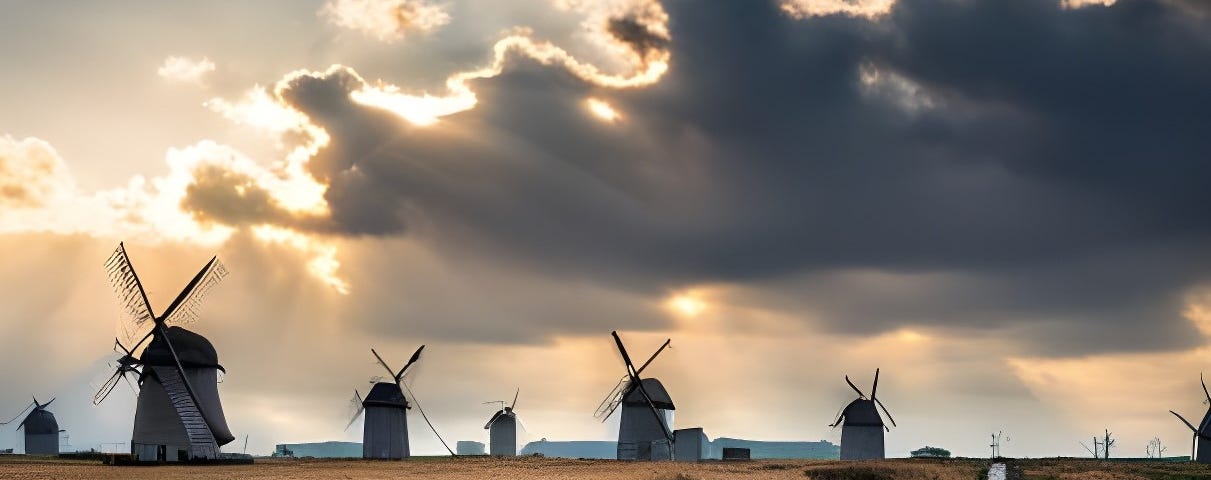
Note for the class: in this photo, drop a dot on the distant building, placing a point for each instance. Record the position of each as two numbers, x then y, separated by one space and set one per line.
319 450
823 449
467 447
931 452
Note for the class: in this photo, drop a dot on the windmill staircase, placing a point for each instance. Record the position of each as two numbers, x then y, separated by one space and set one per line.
201 440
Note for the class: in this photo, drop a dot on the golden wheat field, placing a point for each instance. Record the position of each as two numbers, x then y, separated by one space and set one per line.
549 468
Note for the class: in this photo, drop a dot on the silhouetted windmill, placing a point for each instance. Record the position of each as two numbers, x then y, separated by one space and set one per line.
178 416
502 429
41 428
861 425
646 428
385 432
1200 441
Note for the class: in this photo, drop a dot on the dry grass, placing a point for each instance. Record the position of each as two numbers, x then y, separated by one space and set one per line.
22 468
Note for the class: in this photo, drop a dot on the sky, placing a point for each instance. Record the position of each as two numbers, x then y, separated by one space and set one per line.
1000 203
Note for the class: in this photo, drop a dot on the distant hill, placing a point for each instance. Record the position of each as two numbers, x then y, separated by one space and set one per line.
759 449
572 449
319 450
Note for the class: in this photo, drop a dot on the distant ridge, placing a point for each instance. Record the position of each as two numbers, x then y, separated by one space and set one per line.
760 449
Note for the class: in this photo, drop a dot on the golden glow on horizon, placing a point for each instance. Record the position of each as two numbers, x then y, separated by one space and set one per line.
603 110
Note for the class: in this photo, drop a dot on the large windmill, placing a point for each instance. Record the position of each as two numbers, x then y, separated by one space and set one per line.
1200 443
645 431
178 416
385 432
41 429
502 429
861 425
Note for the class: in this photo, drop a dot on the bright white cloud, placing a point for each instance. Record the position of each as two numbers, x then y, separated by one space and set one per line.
854 8
31 173
386 20
184 69
1072 4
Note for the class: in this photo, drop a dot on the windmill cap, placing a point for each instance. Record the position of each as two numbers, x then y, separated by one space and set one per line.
194 350
862 413
384 394
655 390
40 422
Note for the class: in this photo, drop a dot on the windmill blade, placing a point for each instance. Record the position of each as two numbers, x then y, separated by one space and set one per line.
1184 421
126 284
383 363
19 414
885 412
107 387
653 357
1204 382
426 417
855 387
47 404
414 359
612 399
875 388
356 405
623 350
515 394
186 307
840 416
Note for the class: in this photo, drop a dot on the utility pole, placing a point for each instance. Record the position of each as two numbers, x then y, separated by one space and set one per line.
1106 445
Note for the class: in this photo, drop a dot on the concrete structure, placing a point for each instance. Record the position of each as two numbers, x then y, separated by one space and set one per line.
732 453
642 434
691 445
467 447
179 418
765 450
386 428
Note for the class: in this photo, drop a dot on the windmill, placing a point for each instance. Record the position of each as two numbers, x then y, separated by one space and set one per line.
502 429
645 431
41 429
385 432
1200 442
861 425
178 416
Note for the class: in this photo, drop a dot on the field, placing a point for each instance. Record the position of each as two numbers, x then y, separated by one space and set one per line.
16 467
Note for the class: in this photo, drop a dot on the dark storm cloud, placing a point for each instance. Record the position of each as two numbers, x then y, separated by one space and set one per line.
1057 158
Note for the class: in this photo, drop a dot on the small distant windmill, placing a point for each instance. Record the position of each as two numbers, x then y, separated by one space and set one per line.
502 429
178 416
646 428
861 425
41 429
997 439
385 432
1200 442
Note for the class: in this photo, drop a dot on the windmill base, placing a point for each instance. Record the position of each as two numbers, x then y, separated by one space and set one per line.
647 450
224 459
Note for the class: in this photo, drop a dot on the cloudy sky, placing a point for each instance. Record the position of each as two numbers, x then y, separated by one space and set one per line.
1001 203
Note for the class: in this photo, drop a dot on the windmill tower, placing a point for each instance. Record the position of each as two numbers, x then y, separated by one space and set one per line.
41 429
861 425
178 416
1200 442
645 431
385 432
502 429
